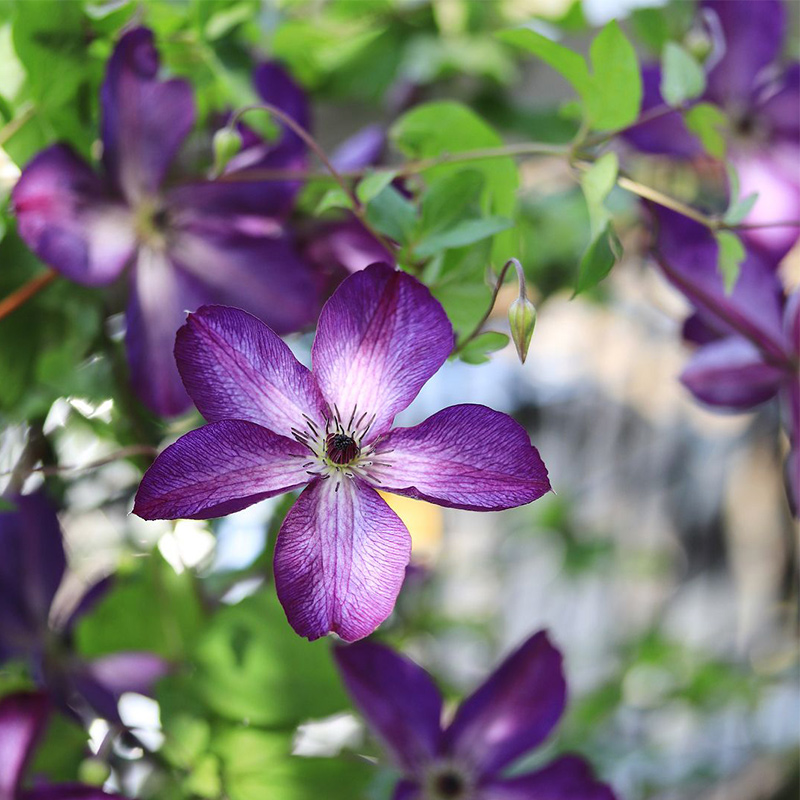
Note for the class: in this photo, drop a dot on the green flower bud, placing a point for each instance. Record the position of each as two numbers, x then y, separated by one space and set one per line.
522 319
227 143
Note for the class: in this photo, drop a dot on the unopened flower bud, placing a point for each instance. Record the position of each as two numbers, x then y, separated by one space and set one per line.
522 319
227 143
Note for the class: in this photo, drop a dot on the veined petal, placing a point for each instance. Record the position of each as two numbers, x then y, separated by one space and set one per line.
731 373
68 218
32 564
159 298
340 560
235 367
406 790
687 254
398 699
380 337
345 246
754 31
513 711
363 149
23 717
566 778
465 456
144 120
218 469
261 274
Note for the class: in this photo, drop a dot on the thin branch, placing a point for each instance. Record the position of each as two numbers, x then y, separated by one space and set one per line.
12 126
24 293
118 455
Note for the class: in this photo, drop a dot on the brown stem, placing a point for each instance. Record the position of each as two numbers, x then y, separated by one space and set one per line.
118 455
24 293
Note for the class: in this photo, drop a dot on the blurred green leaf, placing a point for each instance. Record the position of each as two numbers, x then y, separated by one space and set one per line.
373 184
251 665
467 231
477 351
709 123
258 765
730 255
392 214
598 260
448 199
682 78
438 128
597 183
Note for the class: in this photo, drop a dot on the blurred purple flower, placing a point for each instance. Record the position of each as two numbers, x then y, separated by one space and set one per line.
274 427
749 339
32 566
193 244
761 98
513 712
23 718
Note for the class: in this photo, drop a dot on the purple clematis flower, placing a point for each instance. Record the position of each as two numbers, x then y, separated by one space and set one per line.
749 339
192 244
23 718
274 427
513 712
761 98
32 566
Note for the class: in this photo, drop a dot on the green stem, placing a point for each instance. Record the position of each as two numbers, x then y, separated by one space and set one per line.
12 126
512 262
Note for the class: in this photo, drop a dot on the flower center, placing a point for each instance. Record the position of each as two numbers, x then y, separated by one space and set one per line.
152 223
341 448
448 782
338 451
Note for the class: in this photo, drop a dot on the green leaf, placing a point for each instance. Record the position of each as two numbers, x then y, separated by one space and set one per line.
258 765
224 21
477 351
616 93
374 183
467 231
444 127
570 65
682 77
335 197
597 184
739 207
392 214
251 665
731 254
612 91
598 259
709 123
449 198
161 610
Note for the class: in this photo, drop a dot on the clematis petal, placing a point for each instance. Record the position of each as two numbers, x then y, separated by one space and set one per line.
66 215
687 254
347 246
566 778
779 104
32 564
363 149
398 699
93 595
774 174
340 560
261 274
666 135
23 717
731 373
753 32
380 337
160 296
218 469
406 790
144 120
235 367
103 681
465 456
513 711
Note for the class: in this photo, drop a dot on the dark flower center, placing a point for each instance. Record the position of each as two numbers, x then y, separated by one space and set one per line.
161 219
449 784
341 448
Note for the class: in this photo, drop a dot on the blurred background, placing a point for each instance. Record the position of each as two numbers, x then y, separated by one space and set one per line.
664 564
